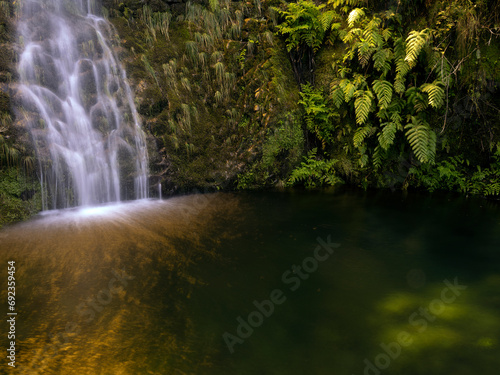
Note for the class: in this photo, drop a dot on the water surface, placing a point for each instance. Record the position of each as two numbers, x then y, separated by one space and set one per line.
158 287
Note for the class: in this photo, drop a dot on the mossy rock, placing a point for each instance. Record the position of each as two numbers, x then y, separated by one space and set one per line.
4 102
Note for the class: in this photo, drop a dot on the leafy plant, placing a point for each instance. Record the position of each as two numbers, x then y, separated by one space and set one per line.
315 172
372 80
317 113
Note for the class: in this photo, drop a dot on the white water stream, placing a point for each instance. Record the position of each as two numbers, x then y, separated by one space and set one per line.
79 107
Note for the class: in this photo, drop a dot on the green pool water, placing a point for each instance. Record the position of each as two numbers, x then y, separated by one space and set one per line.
294 282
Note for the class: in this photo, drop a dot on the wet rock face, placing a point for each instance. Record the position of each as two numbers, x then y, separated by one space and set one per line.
174 6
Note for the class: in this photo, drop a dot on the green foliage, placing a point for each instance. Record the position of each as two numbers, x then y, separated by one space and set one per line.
314 172
399 82
371 87
281 151
354 16
435 92
305 24
455 174
360 134
422 139
14 206
317 113
362 105
387 135
383 89
149 69
415 41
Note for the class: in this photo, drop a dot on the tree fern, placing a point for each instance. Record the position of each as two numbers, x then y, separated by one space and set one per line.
362 105
422 140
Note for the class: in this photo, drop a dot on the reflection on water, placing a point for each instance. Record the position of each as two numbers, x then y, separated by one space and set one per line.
151 287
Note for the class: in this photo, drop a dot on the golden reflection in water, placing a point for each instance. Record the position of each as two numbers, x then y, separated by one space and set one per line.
104 290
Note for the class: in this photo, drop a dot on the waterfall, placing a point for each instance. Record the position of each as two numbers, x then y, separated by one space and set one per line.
78 106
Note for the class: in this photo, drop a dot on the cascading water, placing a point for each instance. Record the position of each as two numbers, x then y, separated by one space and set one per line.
79 107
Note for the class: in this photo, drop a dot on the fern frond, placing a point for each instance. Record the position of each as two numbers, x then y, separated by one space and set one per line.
371 34
383 90
338 96
344 3
351 35
354 16
360 134
359 80
414 43
386 34
399 84
437 62
363 160
435 92
381 60
326 19
365 51
349 89
387 135
378 157
402 66
362 105
422 140
416 99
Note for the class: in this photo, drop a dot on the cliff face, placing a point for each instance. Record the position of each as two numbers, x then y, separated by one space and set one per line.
234 94
19 190
215 88
238 95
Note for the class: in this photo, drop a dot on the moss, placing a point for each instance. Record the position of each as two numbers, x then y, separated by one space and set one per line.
19 196
4 102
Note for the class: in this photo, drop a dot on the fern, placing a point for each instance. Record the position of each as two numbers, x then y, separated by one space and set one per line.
365 51
371 34
337 96
416 99
402 66
360 135
363 159
387 135
317 113
344 3
381 60
349 89
435 92
378 157
354 16
422 140
313 171
383 90
326 19
362 105
440 64
414 43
